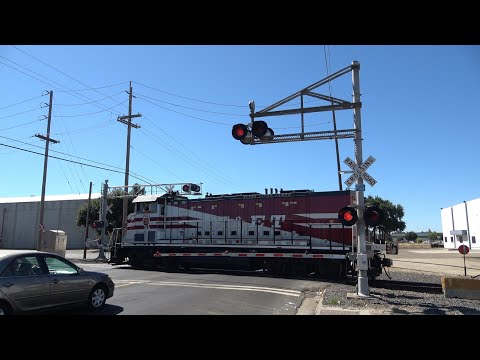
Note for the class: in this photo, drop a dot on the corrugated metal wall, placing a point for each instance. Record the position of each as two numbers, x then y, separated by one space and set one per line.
20 223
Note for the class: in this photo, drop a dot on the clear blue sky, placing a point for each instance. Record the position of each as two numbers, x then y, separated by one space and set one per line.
420 119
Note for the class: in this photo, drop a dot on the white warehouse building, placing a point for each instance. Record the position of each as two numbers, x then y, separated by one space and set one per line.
461 225
19 219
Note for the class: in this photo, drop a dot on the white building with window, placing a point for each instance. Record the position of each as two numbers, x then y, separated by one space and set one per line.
461 225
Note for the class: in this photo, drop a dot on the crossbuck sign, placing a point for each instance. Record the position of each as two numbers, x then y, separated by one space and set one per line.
360 171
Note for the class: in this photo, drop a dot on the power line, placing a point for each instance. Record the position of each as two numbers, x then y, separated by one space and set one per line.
191 162
59 123
69 92
62 153
50 85
95 88
208 102
184 97
147 180
16 126
55 83
61 72
190 151
21 102
30 145
152 160
91 102
138 176
190 108
97 112
95 127
190 116
23 112
59 158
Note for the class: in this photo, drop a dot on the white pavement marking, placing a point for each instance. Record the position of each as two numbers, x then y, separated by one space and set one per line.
106 266
278 291
128 283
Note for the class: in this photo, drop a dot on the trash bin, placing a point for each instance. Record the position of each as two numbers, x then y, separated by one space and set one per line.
55 242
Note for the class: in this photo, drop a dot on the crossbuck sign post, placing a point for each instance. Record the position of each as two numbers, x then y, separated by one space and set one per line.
360 171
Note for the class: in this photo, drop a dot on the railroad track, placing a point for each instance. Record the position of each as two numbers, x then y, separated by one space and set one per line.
433 288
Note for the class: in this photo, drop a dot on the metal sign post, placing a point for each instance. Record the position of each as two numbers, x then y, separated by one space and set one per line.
103 217
464 249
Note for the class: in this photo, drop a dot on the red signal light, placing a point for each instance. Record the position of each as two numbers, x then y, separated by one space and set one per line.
373 216
98 224
195 187
186 188
239 131
348 216
259 128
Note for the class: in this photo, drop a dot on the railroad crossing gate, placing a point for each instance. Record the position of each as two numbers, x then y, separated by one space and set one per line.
360 171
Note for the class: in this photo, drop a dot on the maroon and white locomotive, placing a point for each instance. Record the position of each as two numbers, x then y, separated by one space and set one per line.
285 231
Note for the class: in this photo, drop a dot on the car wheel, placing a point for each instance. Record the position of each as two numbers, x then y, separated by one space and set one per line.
97 297
4 309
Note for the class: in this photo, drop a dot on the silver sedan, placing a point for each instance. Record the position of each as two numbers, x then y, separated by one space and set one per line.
32 281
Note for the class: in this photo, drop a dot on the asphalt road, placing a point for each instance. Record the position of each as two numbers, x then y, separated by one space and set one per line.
142 292
156 292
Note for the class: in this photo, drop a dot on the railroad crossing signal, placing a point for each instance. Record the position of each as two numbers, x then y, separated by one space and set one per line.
373 216
259 130
98 224
348 216
189 188
360 171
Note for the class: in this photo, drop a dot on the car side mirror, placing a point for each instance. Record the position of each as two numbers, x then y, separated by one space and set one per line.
80 270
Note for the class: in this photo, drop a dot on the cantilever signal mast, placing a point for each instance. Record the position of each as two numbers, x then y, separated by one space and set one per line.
258 132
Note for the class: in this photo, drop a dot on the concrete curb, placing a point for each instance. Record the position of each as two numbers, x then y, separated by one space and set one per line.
461 287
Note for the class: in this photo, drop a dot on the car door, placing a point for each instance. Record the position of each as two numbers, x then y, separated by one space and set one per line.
67 286
26 284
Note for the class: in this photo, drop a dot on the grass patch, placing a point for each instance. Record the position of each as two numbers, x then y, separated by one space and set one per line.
334 301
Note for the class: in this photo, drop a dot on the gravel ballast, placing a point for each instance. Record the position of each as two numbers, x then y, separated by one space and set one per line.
385 300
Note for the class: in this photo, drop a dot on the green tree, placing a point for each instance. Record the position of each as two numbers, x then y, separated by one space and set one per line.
433 235
393 213
411 236
114 219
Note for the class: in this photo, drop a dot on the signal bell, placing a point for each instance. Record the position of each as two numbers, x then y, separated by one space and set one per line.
348 216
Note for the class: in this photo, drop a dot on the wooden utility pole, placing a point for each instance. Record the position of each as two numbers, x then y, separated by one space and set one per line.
41 225
127 164
87 225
